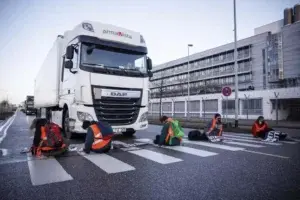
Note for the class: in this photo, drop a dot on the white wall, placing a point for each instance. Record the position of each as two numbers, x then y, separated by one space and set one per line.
266 95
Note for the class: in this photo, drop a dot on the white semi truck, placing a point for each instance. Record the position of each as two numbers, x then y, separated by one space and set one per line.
95 72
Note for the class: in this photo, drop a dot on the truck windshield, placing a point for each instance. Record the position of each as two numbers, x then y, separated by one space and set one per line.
109 57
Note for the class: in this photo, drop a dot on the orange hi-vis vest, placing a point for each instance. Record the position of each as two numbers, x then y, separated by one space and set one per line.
99 142
256 128
214 122
44 139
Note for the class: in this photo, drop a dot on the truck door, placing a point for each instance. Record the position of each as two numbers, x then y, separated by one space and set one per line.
68 79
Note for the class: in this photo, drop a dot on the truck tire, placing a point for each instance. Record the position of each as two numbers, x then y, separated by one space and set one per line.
129 133
66 131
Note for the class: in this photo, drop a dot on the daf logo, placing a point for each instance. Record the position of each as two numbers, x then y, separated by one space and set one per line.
118 94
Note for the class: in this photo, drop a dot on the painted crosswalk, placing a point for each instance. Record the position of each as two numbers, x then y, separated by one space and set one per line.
165 155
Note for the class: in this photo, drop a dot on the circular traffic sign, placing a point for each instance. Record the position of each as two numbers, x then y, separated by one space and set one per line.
226 91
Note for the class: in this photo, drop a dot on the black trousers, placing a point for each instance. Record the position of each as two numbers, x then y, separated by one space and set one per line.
156 140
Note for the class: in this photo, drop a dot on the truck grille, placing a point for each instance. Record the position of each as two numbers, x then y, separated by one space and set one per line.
117 110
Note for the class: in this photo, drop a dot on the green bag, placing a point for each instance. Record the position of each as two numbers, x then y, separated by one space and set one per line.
177 129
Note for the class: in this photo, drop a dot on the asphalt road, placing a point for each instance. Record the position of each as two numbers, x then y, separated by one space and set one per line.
240 168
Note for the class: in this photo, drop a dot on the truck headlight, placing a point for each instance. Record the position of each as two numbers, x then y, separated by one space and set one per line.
82 116
144 117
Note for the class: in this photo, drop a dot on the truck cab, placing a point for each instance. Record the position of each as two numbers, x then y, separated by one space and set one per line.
103 73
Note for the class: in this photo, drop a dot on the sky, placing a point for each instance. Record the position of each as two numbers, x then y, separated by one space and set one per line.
29 28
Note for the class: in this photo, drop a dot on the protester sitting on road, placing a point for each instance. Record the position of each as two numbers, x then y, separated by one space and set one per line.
214 129
171 133
261 129
98 138
48 139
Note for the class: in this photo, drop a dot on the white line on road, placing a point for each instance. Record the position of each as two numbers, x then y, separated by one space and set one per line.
246 136
108 163
219 146
188 150
150 155
40 174
252 141
267 154
289 142
7 122
4 152
27 119
243 144
255 139
238 134
155 156
196 152
5 131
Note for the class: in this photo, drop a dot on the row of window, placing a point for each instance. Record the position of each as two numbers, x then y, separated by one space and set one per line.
204 62
211 86
250 106
222 70
207 83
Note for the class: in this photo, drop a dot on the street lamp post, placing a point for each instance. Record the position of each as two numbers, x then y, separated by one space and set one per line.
235 69
188 100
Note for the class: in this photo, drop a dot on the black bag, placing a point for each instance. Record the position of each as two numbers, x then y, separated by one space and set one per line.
197 135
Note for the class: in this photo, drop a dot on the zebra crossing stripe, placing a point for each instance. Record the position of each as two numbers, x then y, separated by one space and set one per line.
108 163
148 154
188 150
219 146
243 144
253 141
40 174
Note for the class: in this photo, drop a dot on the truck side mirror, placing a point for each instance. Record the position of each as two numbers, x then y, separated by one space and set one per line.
70 52
149 64
69 64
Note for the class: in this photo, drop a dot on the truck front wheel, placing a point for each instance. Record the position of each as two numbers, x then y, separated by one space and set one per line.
66 129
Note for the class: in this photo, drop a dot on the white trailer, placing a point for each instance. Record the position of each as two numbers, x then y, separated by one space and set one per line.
95 72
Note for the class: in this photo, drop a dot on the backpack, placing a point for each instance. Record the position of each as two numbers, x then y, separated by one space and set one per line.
54 135
194 135
177 129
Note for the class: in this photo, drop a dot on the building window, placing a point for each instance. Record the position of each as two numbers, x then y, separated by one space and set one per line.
179 106
252 107
210 105
230 107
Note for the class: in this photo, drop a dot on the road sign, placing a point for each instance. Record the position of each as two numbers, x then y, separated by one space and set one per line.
226 91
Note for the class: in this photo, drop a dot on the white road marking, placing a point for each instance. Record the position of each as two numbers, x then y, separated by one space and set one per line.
267 154
219 146
241 135
7 122
155 156
289 142
253 141
270 143
243 144
238 134
4 152
7 127
150 155
40 174
188 150
108 163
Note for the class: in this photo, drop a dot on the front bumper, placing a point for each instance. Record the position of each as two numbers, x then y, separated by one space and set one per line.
90 110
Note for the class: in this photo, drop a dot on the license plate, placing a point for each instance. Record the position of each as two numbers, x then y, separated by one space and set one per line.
119 130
